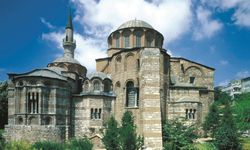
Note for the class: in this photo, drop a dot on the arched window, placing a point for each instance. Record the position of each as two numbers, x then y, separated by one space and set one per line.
149 39
97 86
117 40
138 35
117 63
131 95
126 39
33 102
158 41
107 86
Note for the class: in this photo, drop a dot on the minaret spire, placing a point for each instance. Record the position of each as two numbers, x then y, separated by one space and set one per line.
69 43
69 24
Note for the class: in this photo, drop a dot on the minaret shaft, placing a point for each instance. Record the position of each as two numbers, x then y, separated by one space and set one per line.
69 43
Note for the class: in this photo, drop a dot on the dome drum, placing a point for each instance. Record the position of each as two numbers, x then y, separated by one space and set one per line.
135 33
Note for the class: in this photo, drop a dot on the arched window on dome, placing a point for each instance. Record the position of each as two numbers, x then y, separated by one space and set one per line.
138 35
131 95
126 35
117 40
149 39
158 41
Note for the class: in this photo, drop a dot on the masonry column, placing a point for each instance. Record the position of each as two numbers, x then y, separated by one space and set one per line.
150 98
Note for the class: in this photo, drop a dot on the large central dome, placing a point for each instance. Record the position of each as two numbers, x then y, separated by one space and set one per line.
135 23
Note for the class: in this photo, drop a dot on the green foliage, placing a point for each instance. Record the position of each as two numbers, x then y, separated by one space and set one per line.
48 145
128 137
242 111
226 135
80 144
221 98
205 146
18 145
211 122
178 136
245 143
2 140
3 104
123 138
111 136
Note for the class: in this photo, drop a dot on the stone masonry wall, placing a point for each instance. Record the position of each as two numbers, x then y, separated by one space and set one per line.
34 133
150 98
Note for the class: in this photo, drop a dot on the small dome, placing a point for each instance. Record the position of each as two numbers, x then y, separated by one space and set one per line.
67 59
135 23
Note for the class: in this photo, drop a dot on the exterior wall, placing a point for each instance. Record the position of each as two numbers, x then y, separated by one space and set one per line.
35 133
103 66
124 68
82 122
186 95
52 98
150 85
182 69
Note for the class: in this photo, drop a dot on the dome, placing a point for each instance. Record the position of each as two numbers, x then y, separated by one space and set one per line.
67 59
135 23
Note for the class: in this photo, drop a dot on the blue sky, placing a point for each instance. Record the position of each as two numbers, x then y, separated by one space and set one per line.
215 33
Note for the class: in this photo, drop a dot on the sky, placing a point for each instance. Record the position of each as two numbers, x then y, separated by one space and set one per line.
215 33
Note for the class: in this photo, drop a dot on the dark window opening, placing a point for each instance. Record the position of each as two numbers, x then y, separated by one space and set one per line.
132 95
190 114
191 80
33 102
95 113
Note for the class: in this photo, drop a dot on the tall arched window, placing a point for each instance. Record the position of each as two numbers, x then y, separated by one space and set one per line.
149 39
107 85
131 95
97 86
138 35
126 39
117 40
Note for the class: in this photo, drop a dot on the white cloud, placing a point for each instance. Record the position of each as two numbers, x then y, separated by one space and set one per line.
241 15
243 74
48 24
223 62
224 83
100 18
206 27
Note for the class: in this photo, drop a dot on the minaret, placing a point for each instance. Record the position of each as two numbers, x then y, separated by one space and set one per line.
69 43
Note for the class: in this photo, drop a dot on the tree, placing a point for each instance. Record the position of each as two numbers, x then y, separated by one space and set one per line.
242 111
211 122
178 136
129 139
3 104
226 135
80 144
111 136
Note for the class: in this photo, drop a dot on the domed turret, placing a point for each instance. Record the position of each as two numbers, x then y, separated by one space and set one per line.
67 61
134 34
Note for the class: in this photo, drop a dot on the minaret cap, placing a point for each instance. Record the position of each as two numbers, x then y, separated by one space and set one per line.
69 24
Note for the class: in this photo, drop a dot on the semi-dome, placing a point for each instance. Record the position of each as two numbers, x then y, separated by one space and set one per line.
135 23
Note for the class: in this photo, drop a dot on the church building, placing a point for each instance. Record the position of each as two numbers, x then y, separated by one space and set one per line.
61 101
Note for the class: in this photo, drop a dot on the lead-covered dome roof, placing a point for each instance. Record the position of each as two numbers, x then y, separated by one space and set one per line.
135 23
